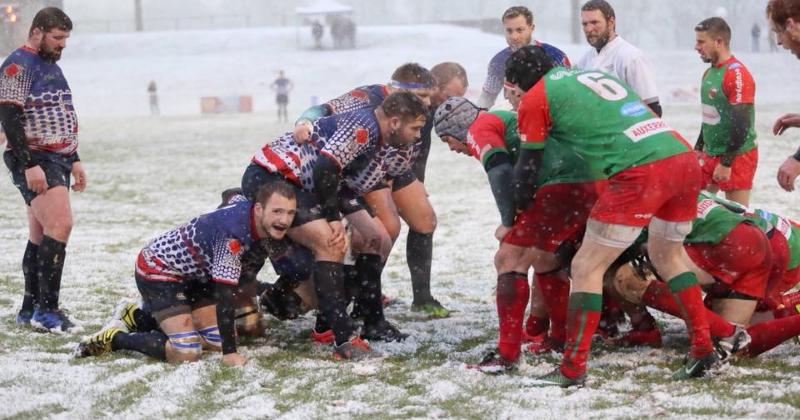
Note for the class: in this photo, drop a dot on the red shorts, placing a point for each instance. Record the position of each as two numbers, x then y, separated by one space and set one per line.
558 213
742 260
743 169
665 188
780 259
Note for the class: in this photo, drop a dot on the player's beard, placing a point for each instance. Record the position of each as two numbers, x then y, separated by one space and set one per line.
600 40
50 55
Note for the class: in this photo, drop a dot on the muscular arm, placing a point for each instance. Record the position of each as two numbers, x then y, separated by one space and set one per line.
326 186
740 125
500 172
226 316
11 118
525 173
314 113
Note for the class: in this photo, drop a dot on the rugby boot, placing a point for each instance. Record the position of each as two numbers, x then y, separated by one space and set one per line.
97 344
557 379
383 331
24 316
432 308
124 313
696 367
355 348
325 337
494 364
730 346
53 321
544 346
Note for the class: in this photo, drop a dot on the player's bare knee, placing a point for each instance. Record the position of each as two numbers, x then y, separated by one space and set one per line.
505 259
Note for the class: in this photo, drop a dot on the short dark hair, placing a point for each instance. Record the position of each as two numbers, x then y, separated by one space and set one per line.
281 188
515 11
447 71
50 18
404 105
780 10
602 6
716 27
527 65
414 73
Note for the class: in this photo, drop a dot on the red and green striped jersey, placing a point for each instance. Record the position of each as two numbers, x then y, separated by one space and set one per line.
496 132
716 218
724 86
597 116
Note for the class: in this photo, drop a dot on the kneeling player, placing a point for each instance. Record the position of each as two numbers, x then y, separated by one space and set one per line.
187 277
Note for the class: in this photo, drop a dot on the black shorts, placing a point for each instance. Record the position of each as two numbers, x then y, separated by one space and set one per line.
350 202
282 99
403 180
308 208
161 296
57 169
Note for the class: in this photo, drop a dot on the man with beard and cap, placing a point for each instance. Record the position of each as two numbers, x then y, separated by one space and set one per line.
518 28
39 120
784 21
612 54
727 141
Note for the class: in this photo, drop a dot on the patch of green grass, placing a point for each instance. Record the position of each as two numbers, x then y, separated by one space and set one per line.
47 410
123 397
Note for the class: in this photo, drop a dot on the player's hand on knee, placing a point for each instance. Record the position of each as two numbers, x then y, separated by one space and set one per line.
338 237
37 182
302 131
80 177
233 359
784 122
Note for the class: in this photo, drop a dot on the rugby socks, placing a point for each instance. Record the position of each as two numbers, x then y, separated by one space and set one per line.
658 296
583 316
554 286
50 261
536 325
769 334
419 253
351 282
153 343
368 272
329 285
689 298
29 272
512 299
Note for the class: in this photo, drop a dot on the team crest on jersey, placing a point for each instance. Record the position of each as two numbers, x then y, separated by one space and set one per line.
712 93
362 135
633 109
234 246
12 70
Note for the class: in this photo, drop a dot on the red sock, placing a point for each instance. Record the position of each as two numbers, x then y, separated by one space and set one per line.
583 315
767 335
689 298
536 325
659 297
512 299
555 289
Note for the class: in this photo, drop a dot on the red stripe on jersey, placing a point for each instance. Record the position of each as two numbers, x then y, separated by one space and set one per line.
279 163
486 133
153 274
534 120
738 83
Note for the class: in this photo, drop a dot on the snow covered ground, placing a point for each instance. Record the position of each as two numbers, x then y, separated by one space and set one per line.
149 174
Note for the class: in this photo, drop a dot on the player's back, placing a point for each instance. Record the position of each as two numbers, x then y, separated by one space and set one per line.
604 121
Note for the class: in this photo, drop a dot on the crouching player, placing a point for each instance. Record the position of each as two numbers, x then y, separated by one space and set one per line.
556 217
187 277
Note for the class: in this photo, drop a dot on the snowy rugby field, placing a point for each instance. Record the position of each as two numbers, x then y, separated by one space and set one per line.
149 174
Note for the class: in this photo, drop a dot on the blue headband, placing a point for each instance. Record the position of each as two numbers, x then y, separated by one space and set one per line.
409 85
